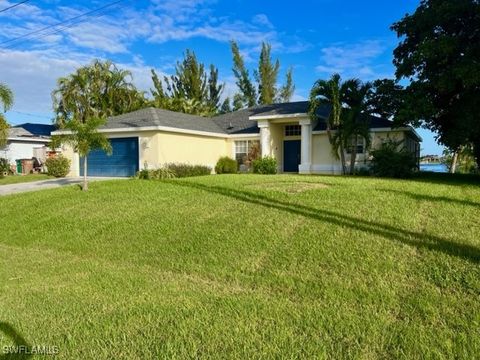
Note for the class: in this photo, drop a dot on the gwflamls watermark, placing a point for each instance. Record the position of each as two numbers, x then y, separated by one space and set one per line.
31 350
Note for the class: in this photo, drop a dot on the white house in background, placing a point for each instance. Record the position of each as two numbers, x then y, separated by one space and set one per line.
26 141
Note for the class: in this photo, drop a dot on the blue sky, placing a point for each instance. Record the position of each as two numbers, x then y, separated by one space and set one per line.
316 38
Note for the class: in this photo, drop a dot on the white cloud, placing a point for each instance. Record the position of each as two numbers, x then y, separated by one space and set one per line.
262 20
32 75
354 60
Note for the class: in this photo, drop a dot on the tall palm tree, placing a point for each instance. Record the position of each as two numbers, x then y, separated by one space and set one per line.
6 100
348 118
356 119
331 93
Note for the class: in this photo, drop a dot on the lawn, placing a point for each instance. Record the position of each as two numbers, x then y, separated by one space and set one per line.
15 179
244 266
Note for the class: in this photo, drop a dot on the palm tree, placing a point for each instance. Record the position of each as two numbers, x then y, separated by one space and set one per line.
6 99
99 90
84 137
331 93
348 118
356 119
83 101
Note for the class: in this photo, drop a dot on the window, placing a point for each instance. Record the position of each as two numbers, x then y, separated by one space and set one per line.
293 130
360 145
242 149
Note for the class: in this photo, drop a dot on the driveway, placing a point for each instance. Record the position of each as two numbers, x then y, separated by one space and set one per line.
45 184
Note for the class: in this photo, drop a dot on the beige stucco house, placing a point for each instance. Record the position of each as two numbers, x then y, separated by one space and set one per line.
153 137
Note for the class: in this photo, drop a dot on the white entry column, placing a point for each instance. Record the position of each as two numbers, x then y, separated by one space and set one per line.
305 166
265 138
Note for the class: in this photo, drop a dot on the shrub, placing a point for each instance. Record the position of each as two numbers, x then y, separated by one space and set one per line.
170 171
392 159
265 165
187 170
156 174
58 166
226 165
4 167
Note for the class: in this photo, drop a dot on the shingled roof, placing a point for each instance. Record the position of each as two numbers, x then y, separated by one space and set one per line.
160 117
31 131
237 122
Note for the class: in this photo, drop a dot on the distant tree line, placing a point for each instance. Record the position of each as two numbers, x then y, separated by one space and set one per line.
195 90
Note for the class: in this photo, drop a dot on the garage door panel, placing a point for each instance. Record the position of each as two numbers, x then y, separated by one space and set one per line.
122 162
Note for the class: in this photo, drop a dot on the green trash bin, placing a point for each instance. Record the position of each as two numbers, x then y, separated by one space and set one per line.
19 166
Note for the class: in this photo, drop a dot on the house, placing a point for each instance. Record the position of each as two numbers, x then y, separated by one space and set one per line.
26 141
150 137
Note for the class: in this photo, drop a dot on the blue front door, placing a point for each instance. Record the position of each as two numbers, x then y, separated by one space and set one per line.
123 161
291 155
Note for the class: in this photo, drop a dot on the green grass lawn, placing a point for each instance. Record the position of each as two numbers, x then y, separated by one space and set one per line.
15 179
244 266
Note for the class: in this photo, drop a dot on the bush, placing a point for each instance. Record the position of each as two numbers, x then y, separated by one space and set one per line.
156 174
170 171
58 166
187 170
4 167
226 165
393 160
265 165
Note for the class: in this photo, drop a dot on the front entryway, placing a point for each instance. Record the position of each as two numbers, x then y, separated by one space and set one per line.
291 155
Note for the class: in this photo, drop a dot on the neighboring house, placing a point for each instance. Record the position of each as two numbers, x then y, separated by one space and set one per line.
26 141
153 137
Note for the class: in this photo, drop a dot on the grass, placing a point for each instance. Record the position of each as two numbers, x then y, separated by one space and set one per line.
243 266
16 179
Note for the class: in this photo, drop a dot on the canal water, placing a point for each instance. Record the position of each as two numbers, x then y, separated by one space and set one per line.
439 168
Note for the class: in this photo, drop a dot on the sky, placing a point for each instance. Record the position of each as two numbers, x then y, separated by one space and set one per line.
315 37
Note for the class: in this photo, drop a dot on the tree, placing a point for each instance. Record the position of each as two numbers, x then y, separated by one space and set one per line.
287 90
97 90
6 99
330 93
83 101
190 89
356 117
84 137
461 160
348 120
248 95
387 99
266 77
225 108
439 54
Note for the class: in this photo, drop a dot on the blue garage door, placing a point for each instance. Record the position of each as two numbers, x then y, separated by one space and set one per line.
122 162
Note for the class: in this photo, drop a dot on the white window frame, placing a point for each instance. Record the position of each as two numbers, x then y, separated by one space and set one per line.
292 130
360 142
248 145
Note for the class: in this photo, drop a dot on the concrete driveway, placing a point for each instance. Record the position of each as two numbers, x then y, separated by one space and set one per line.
45 184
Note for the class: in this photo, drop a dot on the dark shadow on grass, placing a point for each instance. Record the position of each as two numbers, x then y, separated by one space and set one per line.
422 197
446 178
412 238
20 348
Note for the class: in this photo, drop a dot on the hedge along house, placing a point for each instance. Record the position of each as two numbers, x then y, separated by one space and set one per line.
150 138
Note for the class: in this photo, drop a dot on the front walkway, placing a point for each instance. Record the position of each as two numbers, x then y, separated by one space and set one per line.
45 184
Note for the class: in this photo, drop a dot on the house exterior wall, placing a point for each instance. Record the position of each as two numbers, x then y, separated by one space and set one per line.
324 162
189 149
158 148
20 150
